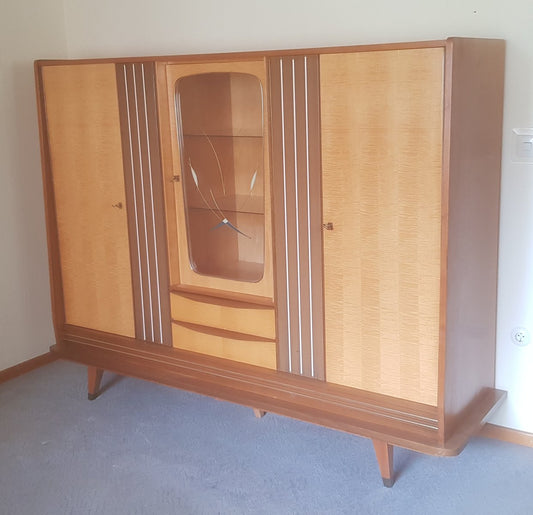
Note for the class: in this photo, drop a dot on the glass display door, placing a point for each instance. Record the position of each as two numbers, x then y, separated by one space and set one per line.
222 198
220 128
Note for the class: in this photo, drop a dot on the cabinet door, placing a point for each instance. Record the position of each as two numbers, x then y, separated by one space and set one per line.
381 116
219 141
83 127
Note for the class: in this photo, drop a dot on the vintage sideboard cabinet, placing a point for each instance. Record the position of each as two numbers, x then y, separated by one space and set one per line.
308 232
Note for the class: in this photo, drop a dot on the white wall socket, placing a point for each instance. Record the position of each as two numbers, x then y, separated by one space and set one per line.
520 336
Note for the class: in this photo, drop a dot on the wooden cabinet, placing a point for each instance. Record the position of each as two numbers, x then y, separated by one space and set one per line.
312 233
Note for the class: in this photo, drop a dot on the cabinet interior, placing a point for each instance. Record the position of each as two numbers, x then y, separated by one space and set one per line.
220 130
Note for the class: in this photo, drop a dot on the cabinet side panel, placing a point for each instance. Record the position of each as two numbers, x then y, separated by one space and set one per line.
86 160
382 158
475 71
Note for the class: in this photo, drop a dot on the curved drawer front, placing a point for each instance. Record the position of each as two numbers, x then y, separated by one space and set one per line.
239 317
244 349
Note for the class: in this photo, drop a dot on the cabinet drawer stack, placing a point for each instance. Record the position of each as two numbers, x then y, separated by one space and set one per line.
227 329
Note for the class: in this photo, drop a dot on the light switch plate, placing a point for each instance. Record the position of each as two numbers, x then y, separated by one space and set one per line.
523 145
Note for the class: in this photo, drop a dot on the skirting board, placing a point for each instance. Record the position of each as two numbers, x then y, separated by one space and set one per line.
506 434
26 366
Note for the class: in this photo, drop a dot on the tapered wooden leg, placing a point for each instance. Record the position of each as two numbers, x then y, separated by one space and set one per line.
259 413
94 376
384 452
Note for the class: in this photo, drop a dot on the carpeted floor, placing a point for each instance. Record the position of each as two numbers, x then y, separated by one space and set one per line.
141 448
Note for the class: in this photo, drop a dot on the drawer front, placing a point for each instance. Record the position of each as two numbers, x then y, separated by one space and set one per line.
257 352
228 315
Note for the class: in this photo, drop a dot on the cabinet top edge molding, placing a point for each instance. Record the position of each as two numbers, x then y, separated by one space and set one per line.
259 54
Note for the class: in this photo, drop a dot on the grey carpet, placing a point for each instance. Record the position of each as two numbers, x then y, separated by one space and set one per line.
142 448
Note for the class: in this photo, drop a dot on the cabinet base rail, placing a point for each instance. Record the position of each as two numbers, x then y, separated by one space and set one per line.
385 420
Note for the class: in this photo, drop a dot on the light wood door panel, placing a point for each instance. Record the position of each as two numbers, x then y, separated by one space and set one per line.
83 126
382 160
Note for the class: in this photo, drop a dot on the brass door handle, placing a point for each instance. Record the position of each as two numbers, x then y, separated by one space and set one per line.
118 205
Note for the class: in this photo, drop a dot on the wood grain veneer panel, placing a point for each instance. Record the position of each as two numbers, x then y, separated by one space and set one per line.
381 158
224 314
86 160
244 349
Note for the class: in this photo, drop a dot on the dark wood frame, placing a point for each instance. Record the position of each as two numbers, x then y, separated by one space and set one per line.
302 233
473 71
146 157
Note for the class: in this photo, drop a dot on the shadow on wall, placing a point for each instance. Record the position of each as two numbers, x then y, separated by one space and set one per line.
27 274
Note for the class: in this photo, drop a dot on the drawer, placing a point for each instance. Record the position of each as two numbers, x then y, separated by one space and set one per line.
229 315
224 345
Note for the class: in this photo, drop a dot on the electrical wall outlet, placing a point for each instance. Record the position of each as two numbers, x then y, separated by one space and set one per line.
520 336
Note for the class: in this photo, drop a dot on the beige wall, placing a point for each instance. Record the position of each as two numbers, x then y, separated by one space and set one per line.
136 27
28 30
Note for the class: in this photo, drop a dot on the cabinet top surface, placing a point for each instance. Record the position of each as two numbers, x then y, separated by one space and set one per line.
254 55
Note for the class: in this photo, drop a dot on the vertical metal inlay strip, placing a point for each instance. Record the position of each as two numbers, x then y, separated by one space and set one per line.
315 191
285 221
310 261
136 217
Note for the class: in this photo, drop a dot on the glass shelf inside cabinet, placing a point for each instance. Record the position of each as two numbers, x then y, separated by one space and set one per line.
220 128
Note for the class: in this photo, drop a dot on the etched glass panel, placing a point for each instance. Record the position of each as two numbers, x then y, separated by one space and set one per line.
220 127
